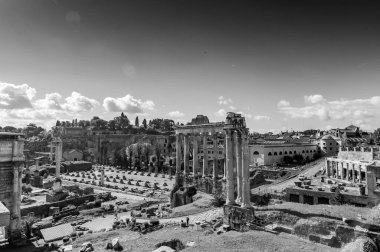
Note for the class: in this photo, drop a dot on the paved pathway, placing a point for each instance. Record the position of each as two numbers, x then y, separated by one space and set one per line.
279 186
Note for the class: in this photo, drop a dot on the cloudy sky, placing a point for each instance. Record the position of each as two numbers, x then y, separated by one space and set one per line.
284 64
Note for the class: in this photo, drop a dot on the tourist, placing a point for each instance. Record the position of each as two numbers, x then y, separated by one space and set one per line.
187 221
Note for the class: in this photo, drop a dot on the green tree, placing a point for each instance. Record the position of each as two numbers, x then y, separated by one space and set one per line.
137 124
144 123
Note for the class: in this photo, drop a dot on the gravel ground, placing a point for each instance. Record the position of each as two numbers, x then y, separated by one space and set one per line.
231 241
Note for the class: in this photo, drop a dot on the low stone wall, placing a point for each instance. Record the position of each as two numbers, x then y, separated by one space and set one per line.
43 210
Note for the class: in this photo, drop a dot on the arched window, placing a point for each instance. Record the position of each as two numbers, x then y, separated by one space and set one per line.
295 152
275 153
286 153
307 151
280 153
256 153
290 152
270 154
303 151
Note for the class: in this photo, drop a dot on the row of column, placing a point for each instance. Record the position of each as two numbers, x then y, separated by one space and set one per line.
237 146
186 154
337 168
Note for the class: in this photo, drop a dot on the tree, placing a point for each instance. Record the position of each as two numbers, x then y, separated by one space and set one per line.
298 158
129 153
288 159
147 151
111 125
137 121
144 123
138 149
58 123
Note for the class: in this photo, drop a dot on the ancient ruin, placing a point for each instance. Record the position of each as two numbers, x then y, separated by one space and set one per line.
11 165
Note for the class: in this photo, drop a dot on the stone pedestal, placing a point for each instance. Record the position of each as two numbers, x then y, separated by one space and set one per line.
236 217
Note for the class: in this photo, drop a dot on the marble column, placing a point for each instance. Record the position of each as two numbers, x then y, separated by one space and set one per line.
186 154
230 199
195 156
246 191
178 156
327 168
15 224
58 158
102 177
239 177
205 156
215 162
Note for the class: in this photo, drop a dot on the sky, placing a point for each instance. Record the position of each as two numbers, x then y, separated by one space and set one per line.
285 65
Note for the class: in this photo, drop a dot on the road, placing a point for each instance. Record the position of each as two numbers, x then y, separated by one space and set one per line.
280 186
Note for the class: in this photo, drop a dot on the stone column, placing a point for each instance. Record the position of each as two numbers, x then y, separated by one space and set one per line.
195 156
239 175
178 156
51 152
327 168
246 190
230 200
58 157
215 162
15 225
102 177
186 154
360 173
205 156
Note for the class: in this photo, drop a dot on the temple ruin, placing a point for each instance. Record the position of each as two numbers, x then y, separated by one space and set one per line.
11 164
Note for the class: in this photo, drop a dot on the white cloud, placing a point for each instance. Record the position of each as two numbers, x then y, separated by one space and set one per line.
127 104
232 107
283 103
16 96
314 99
316 106
221 113
224 101
176 114
261 117
79 103
51 101
18 107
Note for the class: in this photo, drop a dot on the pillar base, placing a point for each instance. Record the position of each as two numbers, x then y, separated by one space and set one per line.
238 200
245 206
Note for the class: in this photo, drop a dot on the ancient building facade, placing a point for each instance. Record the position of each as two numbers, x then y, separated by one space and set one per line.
236 151
351 164
11 165
268 153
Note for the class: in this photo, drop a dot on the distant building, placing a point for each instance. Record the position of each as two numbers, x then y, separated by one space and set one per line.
199 119
350 136
73 155
72 131
329 145
270 152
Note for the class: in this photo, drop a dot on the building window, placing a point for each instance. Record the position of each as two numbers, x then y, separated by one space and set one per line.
286 153
275 153
256 153
290 152
330 143
270 154
280 153
220 152
295 152
303 151
330 148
